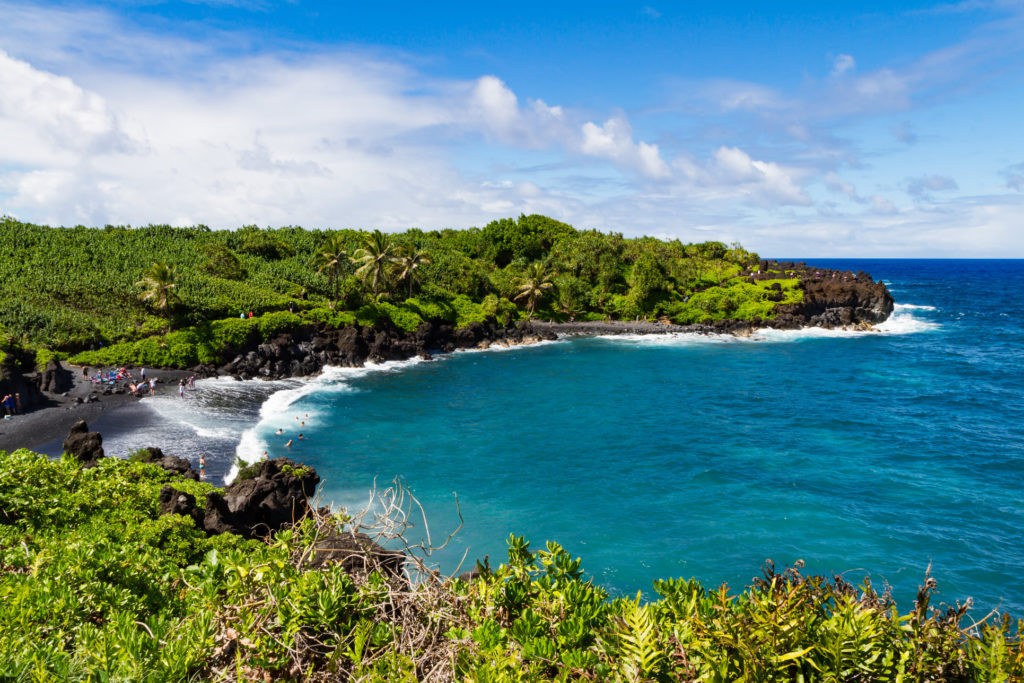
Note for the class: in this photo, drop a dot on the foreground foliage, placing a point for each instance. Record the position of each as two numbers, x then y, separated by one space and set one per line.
96 585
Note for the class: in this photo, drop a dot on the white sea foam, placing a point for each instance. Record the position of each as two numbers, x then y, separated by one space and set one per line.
913 307
903 322
670 338
501 346
279 411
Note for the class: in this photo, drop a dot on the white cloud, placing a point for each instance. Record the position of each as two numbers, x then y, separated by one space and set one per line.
732 95
494 108
767 182
614 140
55 112
842 64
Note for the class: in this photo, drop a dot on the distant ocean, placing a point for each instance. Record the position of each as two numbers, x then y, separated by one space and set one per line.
861 454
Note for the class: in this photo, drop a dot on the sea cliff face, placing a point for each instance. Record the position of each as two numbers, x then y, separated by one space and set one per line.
831 299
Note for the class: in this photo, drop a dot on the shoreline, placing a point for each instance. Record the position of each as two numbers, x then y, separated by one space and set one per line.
49 423
46 426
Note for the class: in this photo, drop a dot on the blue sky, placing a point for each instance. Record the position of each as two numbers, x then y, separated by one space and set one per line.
795 128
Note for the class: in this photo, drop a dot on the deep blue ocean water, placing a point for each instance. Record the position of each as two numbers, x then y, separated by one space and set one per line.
861 454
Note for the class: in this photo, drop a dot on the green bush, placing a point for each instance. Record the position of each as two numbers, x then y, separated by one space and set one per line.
467 311
95 584
330 318
403 317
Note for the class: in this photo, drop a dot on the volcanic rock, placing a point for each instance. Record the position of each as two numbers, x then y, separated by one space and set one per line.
86 446
274 494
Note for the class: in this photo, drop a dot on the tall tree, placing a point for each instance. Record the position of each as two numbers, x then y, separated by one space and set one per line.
375 259
534 285
158 285
408 262
330 259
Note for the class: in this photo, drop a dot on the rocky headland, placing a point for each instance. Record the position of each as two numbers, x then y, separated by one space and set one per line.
832 299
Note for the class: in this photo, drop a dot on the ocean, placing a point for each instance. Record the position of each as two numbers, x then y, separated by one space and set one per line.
878 454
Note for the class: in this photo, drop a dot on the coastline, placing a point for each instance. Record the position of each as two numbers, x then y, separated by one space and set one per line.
44 427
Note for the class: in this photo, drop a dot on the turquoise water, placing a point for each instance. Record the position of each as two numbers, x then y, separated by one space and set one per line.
859 453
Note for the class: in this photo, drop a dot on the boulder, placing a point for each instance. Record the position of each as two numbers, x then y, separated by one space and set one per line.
86 446
175 502
357 553
171 463
274 494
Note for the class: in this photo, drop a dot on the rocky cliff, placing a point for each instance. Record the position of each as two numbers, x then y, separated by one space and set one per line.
835 298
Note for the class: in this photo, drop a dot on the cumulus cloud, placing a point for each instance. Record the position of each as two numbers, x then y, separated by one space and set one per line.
614 140
53 111
495 108
733 173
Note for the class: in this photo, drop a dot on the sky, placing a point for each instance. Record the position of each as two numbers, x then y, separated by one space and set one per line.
798 129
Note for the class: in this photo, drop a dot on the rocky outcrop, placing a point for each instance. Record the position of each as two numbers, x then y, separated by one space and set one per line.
837 299
306 351
357 553
275 493
175 502
172 463
55 378
14 382
86 446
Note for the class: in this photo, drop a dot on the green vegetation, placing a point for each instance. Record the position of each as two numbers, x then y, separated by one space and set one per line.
172 296
96 585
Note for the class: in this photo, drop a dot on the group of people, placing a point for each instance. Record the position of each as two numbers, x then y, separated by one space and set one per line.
11 404
184 383
113 376
143 387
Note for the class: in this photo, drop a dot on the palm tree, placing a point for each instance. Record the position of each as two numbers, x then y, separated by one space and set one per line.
158 288
534 285
375 259
408 261
330 259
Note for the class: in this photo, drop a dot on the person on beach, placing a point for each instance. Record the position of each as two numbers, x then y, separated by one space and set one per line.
152 385
202 466
8 405
142 373
265 456
17 403
181 387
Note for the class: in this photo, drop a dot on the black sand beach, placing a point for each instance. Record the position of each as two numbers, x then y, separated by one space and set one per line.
43 428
